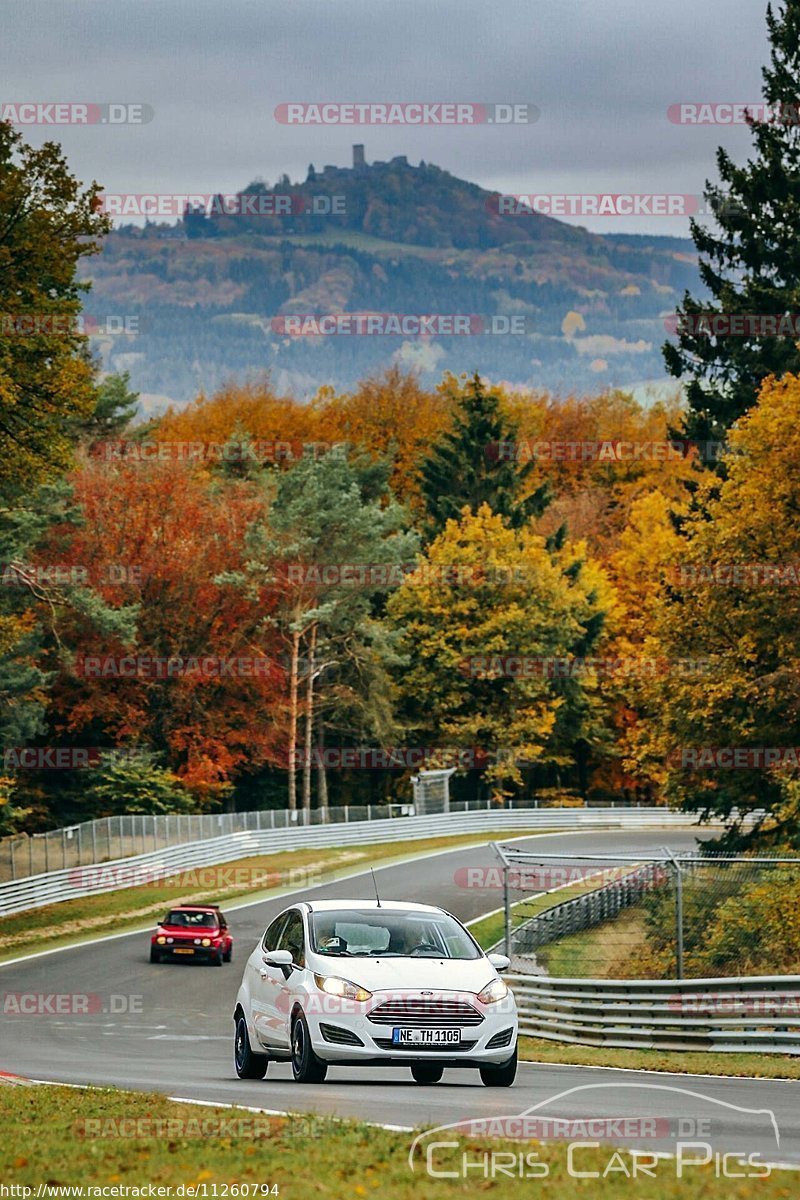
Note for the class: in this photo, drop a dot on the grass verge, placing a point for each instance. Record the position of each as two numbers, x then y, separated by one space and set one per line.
603 952
105 1138
244 879
689 1062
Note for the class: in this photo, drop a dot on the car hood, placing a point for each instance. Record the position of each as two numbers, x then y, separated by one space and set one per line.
389 974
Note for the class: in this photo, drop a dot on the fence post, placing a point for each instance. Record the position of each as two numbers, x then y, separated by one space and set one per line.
679 919
108 837
30 853
678 915
94 841
506 913
13 867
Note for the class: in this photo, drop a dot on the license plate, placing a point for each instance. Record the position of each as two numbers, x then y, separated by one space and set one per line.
180 950
426 1037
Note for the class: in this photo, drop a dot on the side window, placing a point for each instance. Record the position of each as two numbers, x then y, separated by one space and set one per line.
270 939
293 939
223 920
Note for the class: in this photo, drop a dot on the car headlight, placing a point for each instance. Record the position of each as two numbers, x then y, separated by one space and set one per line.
170 941
162 941
335 986
493 992
206 941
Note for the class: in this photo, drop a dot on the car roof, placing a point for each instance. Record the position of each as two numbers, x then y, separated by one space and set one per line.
194 908
368 906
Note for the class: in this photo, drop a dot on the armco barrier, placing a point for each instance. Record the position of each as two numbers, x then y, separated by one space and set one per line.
761 1013
34 891
603 903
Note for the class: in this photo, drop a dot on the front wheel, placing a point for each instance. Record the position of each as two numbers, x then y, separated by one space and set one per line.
155 957
427 1072
248 1065
228 955
306 1066
502 1076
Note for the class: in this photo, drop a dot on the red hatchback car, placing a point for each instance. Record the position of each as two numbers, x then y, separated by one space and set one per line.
197 931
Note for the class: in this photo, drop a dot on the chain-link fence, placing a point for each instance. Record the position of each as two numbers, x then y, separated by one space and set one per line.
641 917
123 836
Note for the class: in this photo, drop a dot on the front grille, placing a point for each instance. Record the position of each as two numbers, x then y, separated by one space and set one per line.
503 1038
442 1051
422 1013
341 1037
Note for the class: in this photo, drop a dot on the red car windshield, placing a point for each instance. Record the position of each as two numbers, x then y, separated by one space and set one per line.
182 918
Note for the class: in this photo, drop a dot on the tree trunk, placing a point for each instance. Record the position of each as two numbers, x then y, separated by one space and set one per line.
322 778
309 721
293 669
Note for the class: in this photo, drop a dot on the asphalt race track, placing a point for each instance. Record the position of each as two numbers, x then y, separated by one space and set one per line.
172 1030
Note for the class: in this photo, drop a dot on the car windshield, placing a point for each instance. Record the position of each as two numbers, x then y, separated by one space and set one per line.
388 933
190 920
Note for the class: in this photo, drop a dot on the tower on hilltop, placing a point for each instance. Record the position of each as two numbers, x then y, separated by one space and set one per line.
358 156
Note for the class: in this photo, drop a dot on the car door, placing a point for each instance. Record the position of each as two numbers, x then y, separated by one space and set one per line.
264 987
292 938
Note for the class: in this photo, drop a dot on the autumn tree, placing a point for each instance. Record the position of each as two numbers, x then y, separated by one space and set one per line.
331 537
484 595
389 416
734 602
154 537
48 222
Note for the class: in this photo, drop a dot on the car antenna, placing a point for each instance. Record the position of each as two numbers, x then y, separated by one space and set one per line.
375 885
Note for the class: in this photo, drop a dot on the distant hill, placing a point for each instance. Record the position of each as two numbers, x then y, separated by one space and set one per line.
203 301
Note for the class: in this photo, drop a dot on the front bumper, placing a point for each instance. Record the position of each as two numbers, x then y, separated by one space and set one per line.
352 1037
187 952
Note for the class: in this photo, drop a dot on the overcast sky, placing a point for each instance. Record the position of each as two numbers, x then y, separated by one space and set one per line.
602 73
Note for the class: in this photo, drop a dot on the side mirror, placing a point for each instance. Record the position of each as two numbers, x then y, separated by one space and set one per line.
500 962
278 958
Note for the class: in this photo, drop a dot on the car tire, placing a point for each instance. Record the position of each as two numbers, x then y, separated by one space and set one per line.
216 960
502 1075
248 1065
227 957
155 957
427 1072
306 1066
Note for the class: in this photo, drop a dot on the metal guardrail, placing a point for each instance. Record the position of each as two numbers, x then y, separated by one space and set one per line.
585 911
759 1014
56 886
128 834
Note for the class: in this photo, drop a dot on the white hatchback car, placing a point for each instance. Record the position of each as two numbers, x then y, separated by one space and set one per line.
354 982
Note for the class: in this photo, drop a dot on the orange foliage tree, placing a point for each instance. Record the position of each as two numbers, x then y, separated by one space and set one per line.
156 536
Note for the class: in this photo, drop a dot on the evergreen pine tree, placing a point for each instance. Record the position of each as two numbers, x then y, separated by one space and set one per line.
752 265
467 467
